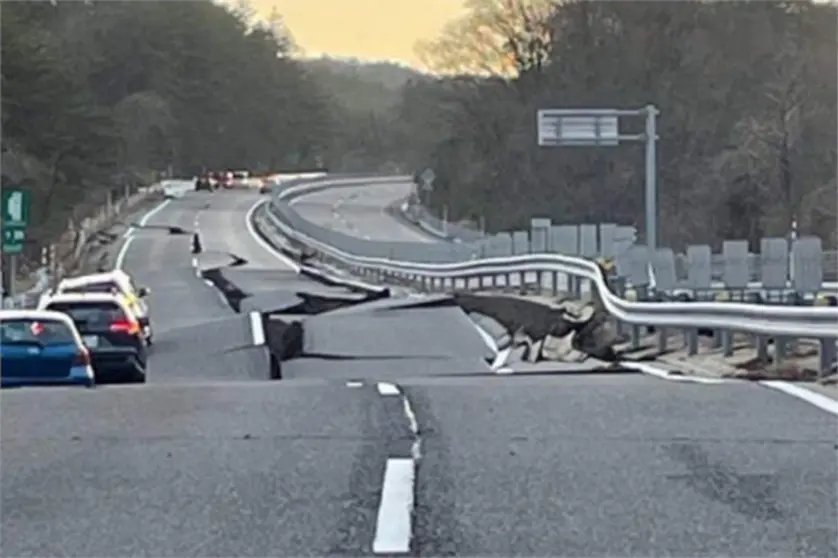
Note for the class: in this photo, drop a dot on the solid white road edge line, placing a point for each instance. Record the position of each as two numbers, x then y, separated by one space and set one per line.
128 235
499 364
394 526
385 388
123 251
666 375
257 328
248 223
822 402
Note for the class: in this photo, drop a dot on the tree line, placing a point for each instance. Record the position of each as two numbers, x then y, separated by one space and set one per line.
747 100
98 96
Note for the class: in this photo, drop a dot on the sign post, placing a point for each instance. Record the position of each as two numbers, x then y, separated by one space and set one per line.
600 128
13 222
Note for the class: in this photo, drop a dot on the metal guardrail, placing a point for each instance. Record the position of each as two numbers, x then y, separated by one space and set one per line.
699 270
437 267
89 228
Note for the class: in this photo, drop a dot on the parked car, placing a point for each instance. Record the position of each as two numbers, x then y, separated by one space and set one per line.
42 348
114 281
110 331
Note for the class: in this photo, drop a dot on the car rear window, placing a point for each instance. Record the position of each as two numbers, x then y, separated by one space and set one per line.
27 331
96 312
102 287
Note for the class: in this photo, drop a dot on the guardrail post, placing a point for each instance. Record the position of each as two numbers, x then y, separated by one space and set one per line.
727 343
762 348
640 293
663 337
827 356
691 341
780 351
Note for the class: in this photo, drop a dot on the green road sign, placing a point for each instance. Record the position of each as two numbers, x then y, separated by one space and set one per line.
15 210
13 239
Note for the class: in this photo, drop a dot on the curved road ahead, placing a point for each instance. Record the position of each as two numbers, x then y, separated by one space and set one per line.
212 459
360 211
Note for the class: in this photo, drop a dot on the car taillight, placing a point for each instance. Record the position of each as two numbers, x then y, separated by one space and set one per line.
82 358
125 326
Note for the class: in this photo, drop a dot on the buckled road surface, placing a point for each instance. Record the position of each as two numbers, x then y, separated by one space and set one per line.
211 458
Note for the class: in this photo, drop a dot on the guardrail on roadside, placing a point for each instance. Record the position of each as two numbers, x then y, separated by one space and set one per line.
438 267
80 240
782 269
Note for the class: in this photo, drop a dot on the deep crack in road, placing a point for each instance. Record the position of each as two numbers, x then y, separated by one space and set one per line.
388 431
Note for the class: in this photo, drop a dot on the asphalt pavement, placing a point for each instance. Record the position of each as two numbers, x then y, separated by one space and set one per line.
212 459
360 211
605 465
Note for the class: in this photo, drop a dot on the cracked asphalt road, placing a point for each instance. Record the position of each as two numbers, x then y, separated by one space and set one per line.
212 459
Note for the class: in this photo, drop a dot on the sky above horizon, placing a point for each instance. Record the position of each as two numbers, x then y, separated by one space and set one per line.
365 29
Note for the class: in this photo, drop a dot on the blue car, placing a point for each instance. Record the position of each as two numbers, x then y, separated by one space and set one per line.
42 348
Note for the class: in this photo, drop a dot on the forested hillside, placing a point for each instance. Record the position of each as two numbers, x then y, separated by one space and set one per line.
100 94
367 96
746 90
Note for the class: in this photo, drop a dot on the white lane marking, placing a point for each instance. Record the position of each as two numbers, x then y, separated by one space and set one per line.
416 446
385 388
411 416
123 251
499 364
666 375
822 402
257 328
394 526
248 222
128 236
487 337
354 384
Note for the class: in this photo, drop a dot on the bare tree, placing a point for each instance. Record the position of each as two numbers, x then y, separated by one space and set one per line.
495 37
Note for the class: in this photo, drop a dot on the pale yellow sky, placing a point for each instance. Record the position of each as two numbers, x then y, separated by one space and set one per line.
369 29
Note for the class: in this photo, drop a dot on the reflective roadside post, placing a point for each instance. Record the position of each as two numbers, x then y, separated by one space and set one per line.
600 128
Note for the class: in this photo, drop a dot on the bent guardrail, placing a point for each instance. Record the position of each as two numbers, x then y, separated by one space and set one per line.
439 267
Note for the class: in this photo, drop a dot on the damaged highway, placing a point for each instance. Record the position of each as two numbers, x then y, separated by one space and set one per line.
335 329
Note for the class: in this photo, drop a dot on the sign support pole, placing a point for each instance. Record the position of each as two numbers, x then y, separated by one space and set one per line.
599 128
12 275
651 179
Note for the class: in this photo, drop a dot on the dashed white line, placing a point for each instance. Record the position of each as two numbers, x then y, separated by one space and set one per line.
257 328
385 388
394 526
354 384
